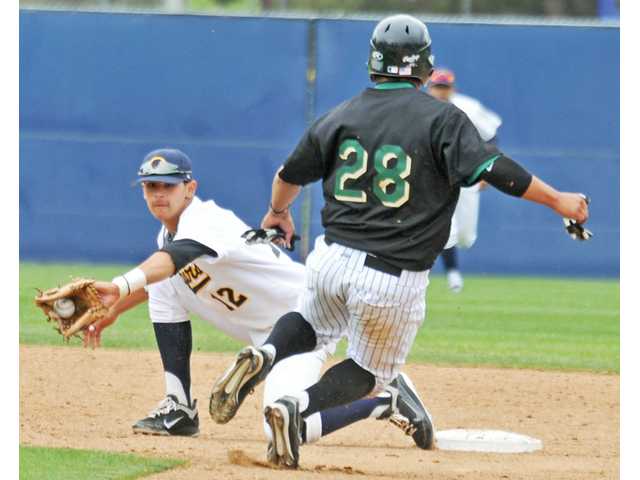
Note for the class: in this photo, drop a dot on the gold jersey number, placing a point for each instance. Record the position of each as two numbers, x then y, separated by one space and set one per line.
195 278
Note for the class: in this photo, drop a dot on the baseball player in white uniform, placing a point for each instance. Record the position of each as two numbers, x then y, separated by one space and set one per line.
204 267
465 218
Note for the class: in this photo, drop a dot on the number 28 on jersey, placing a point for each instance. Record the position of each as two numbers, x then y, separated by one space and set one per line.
392 166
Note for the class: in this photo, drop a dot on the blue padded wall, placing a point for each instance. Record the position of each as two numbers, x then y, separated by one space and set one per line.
558 92
98 91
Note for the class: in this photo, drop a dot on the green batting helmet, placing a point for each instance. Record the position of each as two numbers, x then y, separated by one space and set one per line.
400 47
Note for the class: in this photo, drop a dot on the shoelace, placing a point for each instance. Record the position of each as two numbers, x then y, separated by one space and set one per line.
165 406
403 423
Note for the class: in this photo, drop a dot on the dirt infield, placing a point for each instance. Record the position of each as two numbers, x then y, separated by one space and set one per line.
576 415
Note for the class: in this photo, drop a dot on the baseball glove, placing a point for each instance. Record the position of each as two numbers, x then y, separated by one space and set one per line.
72 307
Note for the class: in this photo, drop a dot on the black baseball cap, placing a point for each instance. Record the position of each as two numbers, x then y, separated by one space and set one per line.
166 165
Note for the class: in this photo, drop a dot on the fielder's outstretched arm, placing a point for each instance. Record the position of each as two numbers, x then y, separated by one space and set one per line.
127 291
155 268
127 303
159 266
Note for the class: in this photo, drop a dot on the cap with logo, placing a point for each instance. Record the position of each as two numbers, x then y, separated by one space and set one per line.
166 165
442 77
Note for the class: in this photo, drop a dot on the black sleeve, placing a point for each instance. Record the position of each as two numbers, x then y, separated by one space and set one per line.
460 148
507 176
305 164
184 251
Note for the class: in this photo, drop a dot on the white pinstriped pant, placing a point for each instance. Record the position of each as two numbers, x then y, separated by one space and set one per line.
379 313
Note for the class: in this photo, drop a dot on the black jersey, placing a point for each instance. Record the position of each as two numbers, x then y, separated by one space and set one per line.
392 161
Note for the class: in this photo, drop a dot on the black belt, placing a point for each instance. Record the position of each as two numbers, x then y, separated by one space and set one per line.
377 263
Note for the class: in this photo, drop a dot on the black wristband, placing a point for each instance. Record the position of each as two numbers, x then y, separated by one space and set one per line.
507 176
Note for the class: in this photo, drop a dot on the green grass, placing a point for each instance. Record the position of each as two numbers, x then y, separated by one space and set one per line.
67 464
502 321
523 322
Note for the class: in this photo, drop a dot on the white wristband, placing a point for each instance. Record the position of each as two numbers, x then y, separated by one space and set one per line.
130 281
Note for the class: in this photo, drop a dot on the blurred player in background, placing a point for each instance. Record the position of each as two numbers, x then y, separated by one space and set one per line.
204 267
465 219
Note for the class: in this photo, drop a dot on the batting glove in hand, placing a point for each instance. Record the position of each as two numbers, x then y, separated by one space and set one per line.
258 236
576 230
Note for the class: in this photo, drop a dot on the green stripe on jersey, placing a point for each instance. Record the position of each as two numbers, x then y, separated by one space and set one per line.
476 173
393 85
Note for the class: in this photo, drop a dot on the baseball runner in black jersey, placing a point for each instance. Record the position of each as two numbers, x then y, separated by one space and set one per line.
392 161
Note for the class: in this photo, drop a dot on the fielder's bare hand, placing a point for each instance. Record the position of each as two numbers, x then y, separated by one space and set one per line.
572 205
92 334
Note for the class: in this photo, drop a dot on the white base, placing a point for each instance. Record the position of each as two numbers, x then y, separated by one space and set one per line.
465 440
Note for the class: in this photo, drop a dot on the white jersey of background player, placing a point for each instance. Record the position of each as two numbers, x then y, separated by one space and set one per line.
204 267
464 224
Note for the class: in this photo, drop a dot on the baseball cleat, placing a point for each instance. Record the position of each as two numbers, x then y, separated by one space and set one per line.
170 418
410 414
285 422
250 367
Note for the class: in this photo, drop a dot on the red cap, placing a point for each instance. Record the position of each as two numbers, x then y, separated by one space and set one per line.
442 77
